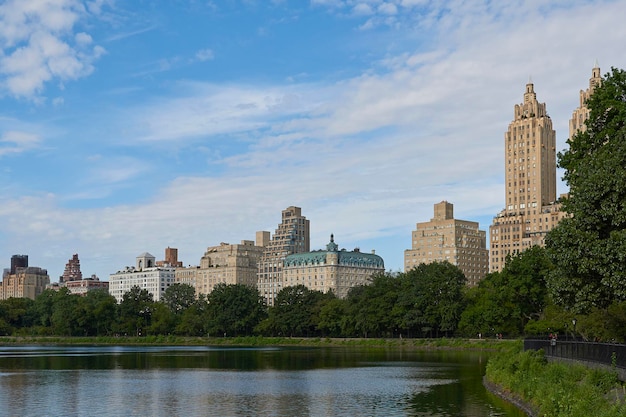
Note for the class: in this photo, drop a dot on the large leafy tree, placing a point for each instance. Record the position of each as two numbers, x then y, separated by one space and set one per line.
588 249
433 298
135 312
179 297
234 309
372 310
504 302
295 312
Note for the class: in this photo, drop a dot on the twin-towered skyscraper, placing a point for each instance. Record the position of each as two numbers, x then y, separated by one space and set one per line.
531 205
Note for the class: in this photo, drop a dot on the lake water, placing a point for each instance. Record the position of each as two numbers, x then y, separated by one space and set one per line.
232 381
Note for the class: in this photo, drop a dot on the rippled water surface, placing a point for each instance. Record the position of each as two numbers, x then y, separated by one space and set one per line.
217 381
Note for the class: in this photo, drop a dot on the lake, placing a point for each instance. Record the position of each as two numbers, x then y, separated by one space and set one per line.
235 381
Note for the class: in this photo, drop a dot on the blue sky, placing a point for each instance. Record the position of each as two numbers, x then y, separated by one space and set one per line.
128 127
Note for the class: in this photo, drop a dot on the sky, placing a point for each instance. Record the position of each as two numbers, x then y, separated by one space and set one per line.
128 127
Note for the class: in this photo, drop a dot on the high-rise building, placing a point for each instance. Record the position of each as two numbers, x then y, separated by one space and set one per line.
72 270
445 238
223 264
23 281
531 208
581 113
18 261
291 236
331 269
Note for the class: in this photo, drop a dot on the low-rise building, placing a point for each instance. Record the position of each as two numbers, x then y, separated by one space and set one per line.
145 274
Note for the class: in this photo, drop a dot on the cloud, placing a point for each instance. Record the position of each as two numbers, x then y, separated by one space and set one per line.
38 46
365 157
205 55
12 142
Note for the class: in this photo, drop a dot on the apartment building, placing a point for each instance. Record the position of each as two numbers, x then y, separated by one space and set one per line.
331 269
445 238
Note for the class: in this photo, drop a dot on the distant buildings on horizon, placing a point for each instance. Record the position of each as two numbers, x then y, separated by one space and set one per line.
273 262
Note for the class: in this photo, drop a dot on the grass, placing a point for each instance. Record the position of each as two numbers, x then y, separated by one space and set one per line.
557 389
428 344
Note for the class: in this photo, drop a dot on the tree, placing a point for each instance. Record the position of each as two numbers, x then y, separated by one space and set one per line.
504 302
293 311
65 313
588 249
15 314
372 310
432 295
179 297
135 311
234 309
195 320
102 308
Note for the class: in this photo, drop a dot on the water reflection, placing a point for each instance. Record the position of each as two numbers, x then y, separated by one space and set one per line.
194 381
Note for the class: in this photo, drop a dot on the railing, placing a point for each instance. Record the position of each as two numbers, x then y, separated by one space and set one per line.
611 354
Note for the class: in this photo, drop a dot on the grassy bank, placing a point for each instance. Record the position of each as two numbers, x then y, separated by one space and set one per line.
452 343
557 389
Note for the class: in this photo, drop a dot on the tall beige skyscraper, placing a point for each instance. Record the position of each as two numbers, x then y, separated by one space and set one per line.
531 209
291 236
581 114
445 238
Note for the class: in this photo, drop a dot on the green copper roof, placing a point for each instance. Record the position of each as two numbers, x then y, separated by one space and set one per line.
319 257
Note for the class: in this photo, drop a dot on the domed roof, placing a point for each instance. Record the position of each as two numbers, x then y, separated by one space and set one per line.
320 257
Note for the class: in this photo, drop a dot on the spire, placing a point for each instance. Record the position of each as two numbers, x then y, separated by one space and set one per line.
332 246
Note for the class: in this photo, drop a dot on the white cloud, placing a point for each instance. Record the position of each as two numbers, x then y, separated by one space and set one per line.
17 142
365 158
38 45
205 55
388 9
362 9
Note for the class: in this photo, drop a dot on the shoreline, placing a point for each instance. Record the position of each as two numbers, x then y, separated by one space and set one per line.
510 397
427 344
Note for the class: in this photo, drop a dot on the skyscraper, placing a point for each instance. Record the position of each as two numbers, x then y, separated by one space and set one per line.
291 236
531 209
581 113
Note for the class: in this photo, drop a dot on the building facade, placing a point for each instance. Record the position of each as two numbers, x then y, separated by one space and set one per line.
72 270
171 258
445 238
23 281
581 113
331 269
145 274
291 236
532 209
223 264
72 279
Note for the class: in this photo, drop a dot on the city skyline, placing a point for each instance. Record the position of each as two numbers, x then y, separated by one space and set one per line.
126 129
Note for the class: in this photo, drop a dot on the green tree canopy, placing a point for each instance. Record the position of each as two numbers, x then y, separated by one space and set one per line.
504 302
135 311
234 309
295 311
589 248
433 298
179 297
